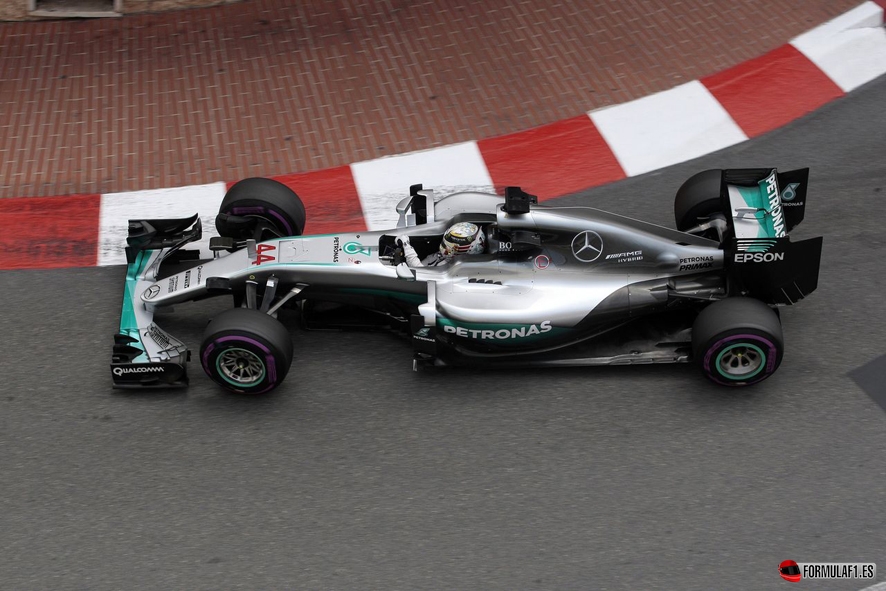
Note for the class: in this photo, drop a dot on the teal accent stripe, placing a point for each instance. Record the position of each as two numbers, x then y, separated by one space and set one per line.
128 324
754 199
766 224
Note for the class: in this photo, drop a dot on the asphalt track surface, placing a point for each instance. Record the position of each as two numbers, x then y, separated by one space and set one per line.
360 474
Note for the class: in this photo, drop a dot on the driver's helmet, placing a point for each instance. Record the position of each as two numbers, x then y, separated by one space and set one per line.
463 238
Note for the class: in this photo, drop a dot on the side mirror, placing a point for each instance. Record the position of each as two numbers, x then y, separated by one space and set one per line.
404 204
404 272
406 219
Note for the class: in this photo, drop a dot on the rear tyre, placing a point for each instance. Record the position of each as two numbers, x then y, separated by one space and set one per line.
275 208
738 341
246 351
697 199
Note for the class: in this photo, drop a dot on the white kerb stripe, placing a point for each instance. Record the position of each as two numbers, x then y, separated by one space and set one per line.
118 208
382 183
850 49
666 128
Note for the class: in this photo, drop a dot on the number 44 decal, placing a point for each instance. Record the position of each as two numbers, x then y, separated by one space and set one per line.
261 257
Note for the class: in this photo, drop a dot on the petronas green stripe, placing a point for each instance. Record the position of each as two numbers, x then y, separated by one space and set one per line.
755 198
128 322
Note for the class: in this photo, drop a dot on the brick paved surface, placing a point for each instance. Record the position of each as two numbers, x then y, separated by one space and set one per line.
269 87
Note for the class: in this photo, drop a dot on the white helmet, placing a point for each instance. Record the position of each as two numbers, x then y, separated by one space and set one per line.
463 238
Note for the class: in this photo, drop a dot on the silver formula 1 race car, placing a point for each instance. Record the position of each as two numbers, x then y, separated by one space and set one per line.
557 285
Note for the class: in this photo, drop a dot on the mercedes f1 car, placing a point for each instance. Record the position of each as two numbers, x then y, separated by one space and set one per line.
558 285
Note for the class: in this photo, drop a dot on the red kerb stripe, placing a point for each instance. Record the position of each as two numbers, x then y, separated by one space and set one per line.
49 232
552 160
774 89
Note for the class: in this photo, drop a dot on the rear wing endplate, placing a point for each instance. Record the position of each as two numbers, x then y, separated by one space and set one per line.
774 270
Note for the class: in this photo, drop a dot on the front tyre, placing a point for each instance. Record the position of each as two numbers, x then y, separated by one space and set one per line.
738 341
273 210
246 351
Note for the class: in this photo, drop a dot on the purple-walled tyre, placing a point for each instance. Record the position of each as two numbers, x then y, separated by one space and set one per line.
738 341
246 351
275 210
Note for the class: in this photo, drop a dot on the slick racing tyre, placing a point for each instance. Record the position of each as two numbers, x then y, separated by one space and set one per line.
246 351
697 199
737 341
275 210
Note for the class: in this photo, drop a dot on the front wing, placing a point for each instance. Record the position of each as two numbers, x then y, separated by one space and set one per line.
144 355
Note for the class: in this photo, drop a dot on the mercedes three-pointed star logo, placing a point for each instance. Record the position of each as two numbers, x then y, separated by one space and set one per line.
587 246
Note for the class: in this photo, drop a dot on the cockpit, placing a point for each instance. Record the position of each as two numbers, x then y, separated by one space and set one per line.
425 222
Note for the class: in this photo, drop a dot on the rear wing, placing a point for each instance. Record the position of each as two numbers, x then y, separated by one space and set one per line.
761 261
763 202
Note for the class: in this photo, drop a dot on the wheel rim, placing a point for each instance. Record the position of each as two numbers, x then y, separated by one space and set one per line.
240 367
740 361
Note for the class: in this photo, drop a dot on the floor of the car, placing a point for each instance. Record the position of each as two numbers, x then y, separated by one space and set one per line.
319 315
660 338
